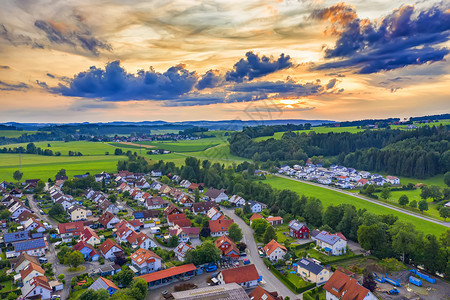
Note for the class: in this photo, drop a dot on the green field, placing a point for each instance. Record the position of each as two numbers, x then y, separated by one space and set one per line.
188 145
44 167
14 133
320 129
440 122
329 197
85 147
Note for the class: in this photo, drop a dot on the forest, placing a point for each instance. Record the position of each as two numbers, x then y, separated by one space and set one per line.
418 153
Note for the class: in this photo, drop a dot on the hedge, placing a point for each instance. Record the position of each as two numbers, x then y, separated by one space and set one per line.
309 295
286 281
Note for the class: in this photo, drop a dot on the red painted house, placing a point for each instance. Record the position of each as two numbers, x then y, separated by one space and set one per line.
227 246
298 230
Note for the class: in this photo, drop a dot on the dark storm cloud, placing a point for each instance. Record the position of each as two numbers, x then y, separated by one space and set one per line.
405 37
254 66
211 79
13 87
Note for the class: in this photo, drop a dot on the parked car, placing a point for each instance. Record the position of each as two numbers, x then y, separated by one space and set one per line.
211 268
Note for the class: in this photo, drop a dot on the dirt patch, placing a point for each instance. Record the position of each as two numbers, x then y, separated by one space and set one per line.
137 145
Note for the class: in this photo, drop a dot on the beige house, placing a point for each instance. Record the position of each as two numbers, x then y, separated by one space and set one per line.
312 272
77 212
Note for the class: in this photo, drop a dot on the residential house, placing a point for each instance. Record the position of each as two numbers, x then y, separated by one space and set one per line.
136 224
236 200
194 186
219 227
24 259
181 249
274 251
172 218
312 272
246 276
142 184
30 271
261 294
185 183
227 246
298 230
216 195
67 231
256 207
172 209
16 209
124 230
231 291
140 240
165 189
108 220
185 234
343 287
156 173
104 284
109 249
145 261
155 186
107 205
34 247
202 207
24 216
89 236
156 202
87 250
66 203
77 212
362 182
393 180
146 215
186 200
275 220
333 244
214 214
255 216
11 238
33 224
37 288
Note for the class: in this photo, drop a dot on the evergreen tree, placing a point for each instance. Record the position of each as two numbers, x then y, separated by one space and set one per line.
269 234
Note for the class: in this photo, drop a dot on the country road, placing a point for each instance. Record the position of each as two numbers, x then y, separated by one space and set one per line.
272 283
407 212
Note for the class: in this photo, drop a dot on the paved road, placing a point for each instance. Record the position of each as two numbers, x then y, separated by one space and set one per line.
53 258
407 212
272 283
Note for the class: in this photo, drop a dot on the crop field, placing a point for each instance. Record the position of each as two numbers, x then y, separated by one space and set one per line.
439 122
186 146
86 148
14 133
329 197
320 129
44 167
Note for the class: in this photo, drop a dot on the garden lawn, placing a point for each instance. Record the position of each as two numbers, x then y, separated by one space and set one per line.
296 280
329 197
281 238
326 259
44 167
7 286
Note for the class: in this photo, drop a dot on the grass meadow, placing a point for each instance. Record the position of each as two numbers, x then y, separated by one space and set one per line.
14 133
329 197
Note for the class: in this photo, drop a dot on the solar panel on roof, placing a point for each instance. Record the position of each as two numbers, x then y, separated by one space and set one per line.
27 245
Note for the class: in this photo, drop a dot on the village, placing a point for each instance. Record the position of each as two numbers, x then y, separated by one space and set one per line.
338 176
180 238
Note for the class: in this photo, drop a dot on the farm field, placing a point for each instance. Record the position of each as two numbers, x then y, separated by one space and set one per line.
186 146
439 122
329 197
320 129
14 133
85 147
39 166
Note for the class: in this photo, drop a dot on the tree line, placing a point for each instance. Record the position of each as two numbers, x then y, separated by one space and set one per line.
416 153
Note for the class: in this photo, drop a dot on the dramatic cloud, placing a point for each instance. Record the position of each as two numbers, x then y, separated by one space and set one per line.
177 86
339 15
13 87
254 66
62 33
405 37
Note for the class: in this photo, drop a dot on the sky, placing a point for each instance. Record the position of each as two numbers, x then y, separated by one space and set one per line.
115 60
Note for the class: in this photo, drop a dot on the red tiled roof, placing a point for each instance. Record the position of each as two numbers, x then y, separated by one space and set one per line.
88 232
183 223
72 227
220 225
256 216
142 255
107 245
261 294
109 283
339 234
105 218
240 274
223 239
272 219
272 246
345 287
30 268
173 217
135 223
168 273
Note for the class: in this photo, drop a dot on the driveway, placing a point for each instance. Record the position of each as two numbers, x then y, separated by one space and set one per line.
272 283
407 212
